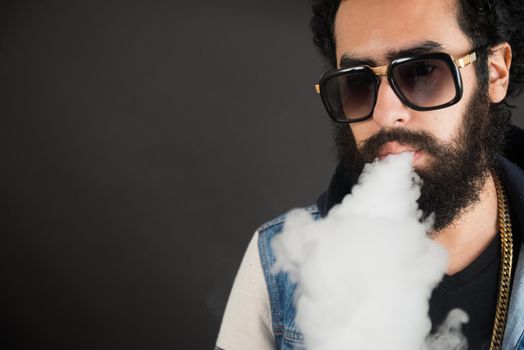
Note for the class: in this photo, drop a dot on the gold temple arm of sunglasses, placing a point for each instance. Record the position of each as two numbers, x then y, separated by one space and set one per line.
464 61
382 70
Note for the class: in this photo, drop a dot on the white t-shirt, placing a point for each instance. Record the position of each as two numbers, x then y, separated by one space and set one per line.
246 323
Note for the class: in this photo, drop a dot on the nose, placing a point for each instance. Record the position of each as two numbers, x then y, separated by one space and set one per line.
389 110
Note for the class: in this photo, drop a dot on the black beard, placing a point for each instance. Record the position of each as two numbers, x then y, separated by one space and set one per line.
456 172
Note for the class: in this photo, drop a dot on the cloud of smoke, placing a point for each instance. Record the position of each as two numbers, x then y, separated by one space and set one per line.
365 273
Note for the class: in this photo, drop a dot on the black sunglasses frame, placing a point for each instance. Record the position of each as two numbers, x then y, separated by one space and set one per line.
441 56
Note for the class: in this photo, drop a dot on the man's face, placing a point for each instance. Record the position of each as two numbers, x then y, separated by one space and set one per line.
453 148
371 29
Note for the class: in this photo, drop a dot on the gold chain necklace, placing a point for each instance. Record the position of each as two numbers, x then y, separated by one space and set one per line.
506 244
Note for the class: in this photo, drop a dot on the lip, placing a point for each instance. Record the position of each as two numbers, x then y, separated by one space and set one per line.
396 148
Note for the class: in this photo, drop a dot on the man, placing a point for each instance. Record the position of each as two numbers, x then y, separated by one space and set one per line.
430 77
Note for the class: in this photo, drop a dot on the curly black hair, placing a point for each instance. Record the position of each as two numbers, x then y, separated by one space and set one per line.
485 22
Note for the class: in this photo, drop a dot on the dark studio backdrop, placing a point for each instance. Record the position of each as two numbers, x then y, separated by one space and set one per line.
142 143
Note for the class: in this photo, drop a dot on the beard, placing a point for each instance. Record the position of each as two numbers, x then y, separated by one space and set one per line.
456 172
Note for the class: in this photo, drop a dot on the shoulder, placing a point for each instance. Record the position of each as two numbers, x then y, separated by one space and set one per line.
272 227
268 230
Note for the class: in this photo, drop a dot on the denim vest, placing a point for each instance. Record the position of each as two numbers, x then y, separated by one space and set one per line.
281 289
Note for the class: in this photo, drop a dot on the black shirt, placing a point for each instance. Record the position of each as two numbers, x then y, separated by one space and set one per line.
474 290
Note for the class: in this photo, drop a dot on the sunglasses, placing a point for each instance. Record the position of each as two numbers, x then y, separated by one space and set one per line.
422 82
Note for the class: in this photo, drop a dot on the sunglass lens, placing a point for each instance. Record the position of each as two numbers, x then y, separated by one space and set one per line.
425 83
351 96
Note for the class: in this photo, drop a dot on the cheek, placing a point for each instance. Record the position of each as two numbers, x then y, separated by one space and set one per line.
442 124
445 123
363 130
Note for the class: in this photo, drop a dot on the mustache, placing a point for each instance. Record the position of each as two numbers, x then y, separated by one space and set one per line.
421 140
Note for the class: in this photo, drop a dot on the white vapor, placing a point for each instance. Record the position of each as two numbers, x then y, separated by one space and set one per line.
365 273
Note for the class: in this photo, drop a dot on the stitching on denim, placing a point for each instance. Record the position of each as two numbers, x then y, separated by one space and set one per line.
277 221
278 330
293 336
312 209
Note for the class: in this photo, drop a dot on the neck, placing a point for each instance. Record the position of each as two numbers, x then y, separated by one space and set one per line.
473 231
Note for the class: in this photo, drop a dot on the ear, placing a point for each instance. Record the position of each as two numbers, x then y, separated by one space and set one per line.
499 63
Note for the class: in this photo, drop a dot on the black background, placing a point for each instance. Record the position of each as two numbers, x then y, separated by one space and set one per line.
142 143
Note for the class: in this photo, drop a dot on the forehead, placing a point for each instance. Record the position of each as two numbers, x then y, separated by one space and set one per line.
372 28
